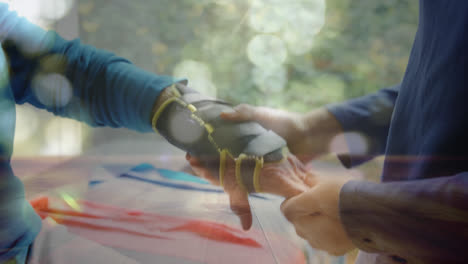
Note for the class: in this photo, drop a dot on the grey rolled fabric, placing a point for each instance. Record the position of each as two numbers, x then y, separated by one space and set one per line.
191 121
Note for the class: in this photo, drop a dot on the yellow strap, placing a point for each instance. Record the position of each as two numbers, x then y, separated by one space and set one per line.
209 128
175 91
238 171
222 166
256 176
192 108
158 113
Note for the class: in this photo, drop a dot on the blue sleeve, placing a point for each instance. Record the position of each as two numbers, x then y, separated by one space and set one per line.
368 116
81 82
70 80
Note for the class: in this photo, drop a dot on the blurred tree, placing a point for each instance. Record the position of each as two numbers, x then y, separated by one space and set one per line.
363 46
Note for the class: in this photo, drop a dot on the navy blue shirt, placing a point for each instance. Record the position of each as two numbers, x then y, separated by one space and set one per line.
423 120
420 212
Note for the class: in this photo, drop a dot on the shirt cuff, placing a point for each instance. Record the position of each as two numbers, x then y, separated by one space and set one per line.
148 98
357 143
351 215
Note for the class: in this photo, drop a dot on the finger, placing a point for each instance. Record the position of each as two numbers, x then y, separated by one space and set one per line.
310 179
204 161
196 165
200 170
205 174
242 112
301 205
278 181
287 178
191 159
239 203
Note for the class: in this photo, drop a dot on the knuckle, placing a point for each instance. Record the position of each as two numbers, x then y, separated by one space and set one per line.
283 207
243 106
288 216
245 109
237 208
300 233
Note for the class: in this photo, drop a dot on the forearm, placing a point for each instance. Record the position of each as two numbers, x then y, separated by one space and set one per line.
319 128
423 220
357 128
105 90
75 80
365 121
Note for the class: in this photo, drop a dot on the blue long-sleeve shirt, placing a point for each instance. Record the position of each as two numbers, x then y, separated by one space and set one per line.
419 214
87 84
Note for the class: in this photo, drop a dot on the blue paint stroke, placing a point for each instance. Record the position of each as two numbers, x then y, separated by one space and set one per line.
92 183
169 174
170 184
181 176
179 185
143 167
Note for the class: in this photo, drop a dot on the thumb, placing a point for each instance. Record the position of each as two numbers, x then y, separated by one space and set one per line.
301 205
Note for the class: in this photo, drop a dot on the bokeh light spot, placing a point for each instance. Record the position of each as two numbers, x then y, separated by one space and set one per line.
27 122
199 76
71 201
352 142
52 90
270 79
185 129
26 8
298 44
62 137
264 16
55 9
267 51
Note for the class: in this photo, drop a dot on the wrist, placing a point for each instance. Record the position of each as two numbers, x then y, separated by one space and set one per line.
320 127
166 94
321 120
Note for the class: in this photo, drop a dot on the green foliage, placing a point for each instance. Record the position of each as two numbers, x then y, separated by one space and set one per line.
363 46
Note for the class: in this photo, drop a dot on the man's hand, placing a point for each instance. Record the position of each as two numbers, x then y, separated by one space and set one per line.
286 178
315 215
307 135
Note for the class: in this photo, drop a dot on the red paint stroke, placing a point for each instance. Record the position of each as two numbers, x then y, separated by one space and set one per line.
137 214
39 204
213 231
206 229
63 212
71 213
151 233
76 223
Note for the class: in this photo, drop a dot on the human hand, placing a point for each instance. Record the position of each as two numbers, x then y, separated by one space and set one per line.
316 217
307 135
286 178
